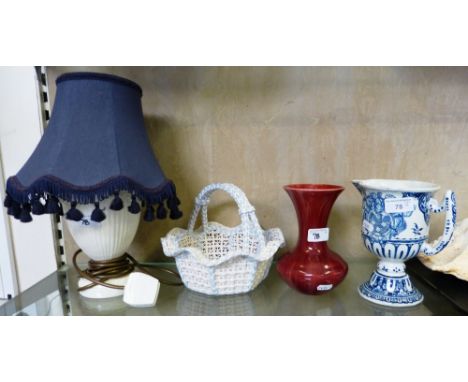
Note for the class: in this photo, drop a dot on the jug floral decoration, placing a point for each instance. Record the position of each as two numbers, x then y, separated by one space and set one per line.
395 228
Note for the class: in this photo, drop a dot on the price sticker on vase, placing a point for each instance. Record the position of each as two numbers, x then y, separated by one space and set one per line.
315 235
400 205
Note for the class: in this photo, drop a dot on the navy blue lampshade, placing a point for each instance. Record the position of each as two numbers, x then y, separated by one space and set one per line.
94 147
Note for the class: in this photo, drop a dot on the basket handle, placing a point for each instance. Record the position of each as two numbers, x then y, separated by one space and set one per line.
246 210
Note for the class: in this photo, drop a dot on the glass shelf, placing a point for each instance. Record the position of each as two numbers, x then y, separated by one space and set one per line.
57 295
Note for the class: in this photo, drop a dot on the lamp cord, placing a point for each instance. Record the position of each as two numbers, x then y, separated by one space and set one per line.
98 272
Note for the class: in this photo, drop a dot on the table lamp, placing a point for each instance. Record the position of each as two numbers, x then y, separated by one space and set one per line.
94 165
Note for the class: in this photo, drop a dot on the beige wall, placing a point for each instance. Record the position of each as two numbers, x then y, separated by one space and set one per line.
261 128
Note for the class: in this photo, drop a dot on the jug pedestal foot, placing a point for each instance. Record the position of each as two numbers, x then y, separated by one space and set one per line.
396 291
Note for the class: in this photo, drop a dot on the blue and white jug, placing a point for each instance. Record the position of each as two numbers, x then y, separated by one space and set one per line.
395 228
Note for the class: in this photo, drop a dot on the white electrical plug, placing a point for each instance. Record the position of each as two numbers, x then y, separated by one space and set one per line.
141 290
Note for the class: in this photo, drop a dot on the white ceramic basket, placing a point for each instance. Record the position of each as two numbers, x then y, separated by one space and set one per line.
219 260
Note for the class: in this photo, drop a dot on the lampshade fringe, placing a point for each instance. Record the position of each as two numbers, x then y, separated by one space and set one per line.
97 215
149 214
52 205
53 191
25 214
8 201
161 212
117 203
175 214
37 207
134 207
14 210
52 186
172 204
74 213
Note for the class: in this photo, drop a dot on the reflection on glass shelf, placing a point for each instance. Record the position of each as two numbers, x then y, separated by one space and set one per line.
50 305
380 310
47 298
100 307
191 303
57 295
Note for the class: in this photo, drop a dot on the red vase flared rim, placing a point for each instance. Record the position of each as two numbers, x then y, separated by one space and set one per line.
314 187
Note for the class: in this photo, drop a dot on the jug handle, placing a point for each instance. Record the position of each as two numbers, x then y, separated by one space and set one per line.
449 206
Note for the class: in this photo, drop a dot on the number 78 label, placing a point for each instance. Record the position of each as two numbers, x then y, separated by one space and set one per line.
394 205
315 235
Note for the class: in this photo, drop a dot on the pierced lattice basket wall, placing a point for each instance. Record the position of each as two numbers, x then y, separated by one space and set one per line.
219 260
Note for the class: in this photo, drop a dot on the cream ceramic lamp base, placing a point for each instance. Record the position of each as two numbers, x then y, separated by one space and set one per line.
104 241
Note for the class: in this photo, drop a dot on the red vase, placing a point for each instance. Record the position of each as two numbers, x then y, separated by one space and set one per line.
311 267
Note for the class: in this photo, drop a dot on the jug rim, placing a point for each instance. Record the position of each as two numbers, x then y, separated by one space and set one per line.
400 185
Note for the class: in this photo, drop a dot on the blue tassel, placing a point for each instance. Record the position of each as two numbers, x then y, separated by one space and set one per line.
52 205
161 212
8 201
175 214
97 215
134 207
37 206
74 213
172 204
149 214
117 203
25 214
14 210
